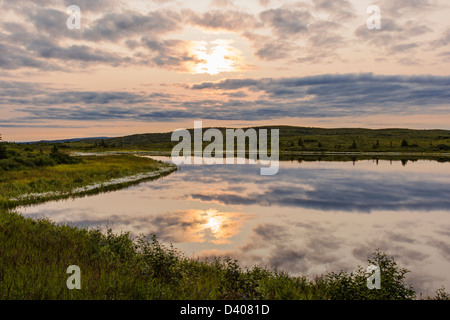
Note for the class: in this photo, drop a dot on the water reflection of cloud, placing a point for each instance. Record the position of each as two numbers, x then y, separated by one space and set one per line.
442 247
327 189
182 226
197 226
301 218
444 230
307 248
287 248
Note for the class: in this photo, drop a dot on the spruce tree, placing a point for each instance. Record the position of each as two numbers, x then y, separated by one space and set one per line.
3 154
404 143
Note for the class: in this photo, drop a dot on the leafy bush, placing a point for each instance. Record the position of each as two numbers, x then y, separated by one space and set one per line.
353 286
159 261
441 294
3 153
62 158
404 143
443 147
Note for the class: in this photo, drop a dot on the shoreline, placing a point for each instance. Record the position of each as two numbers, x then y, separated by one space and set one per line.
282 153
113 184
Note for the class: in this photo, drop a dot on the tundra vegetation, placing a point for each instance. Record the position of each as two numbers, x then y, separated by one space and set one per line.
31 174
35 253
300 139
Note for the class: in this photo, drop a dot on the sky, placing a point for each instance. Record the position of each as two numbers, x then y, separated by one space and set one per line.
159 65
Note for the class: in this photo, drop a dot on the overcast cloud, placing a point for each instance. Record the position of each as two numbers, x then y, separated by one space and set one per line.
291 59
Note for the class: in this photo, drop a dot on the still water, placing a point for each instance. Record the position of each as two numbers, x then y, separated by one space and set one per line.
310 218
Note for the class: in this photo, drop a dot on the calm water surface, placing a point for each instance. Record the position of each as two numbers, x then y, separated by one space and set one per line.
310 218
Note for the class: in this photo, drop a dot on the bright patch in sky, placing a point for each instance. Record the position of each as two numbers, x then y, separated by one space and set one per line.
215 57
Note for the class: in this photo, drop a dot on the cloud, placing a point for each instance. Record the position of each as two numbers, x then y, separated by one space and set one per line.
45 48
49 21
405 29
444 40
270 232
222 3
442 247
116 26
230 20
296 33
14 57
392 33
339 10
400 8
286 22
93 6
238 94
43 42
301 31
324 39
269 48
88 5
169 53
360 93
314 96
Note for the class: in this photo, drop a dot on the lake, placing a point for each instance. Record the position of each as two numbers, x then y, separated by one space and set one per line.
310 218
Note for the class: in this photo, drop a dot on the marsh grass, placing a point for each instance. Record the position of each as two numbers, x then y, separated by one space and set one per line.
35 254
19 187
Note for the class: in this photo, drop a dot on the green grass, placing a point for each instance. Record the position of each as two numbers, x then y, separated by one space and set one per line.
35 255
364 140
299 139
24 177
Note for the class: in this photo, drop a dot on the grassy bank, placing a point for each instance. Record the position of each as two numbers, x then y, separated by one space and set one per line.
32 176
35 255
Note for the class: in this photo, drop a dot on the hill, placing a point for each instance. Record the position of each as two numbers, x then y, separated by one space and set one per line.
301 139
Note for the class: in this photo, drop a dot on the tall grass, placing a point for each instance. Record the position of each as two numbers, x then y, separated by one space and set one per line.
64 178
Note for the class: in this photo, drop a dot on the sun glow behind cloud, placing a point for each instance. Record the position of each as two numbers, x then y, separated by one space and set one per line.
215 57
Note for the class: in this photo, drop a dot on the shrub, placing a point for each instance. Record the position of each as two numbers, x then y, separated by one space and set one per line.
237 284
443 147
159 261
62 158
3 153
441 294
404 143
353 286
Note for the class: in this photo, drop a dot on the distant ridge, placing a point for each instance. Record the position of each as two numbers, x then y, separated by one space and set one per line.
301 139
67 140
